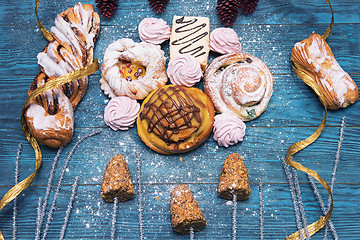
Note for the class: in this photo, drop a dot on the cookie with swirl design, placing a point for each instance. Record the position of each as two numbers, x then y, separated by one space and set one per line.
239 83
175 119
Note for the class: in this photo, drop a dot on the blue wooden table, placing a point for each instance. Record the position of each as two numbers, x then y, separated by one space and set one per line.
293 114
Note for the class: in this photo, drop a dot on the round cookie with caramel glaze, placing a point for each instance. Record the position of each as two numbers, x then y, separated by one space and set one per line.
175 119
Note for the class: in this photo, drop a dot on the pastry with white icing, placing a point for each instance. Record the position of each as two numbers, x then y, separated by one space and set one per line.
314 62
50 116
75 33
190 35
239 83
132 69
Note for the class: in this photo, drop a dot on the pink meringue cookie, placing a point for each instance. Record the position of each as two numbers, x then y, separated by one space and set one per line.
154 30
121 112
228 129
224 40
184 70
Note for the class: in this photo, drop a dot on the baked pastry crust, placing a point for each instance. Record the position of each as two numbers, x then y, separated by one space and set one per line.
75 33
145 54
314 58
239 83
50 116
175 119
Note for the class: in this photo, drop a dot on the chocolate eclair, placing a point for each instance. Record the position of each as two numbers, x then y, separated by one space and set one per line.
175 119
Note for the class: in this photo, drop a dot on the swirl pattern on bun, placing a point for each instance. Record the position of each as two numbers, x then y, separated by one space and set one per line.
239 83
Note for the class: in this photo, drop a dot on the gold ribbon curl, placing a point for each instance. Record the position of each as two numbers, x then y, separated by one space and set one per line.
296 147
79 73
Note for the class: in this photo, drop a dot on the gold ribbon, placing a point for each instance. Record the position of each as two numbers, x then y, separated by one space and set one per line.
80 73
45 32
296 147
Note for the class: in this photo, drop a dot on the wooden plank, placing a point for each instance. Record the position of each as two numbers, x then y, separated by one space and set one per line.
262 150
288 105
91 216
271 43
292 115
130 11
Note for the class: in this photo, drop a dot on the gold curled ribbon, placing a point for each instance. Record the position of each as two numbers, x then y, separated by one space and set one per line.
45 32
79 73
296 147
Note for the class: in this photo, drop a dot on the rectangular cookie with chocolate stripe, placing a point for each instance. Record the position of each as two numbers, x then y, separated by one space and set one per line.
190 35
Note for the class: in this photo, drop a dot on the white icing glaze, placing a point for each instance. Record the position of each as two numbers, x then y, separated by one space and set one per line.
72 52
332 78
43 121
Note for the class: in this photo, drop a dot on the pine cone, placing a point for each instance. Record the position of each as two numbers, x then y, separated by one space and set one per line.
227 11
247 6
107 7
158 5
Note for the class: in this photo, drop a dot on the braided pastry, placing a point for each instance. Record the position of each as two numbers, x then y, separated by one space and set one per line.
132 69
50 115
239 83
314 58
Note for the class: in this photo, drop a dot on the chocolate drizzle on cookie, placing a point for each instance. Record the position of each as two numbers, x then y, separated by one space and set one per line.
171 114
194 34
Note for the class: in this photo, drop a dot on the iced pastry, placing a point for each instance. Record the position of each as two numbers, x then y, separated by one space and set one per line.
184 70
234 179
224 40
185 211
314 62
50 115
121 112
228 129
239 83
190 35
154 30
51 119
117 181
175 119
132 69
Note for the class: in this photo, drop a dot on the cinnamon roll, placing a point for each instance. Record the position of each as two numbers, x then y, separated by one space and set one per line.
314 59
132 69
239 83
175 119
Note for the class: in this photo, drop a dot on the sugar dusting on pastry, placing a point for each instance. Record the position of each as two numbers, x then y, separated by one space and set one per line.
239 83
147 55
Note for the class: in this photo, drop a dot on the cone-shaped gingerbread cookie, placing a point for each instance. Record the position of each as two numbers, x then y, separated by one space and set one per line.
117 181
185 211
234 179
